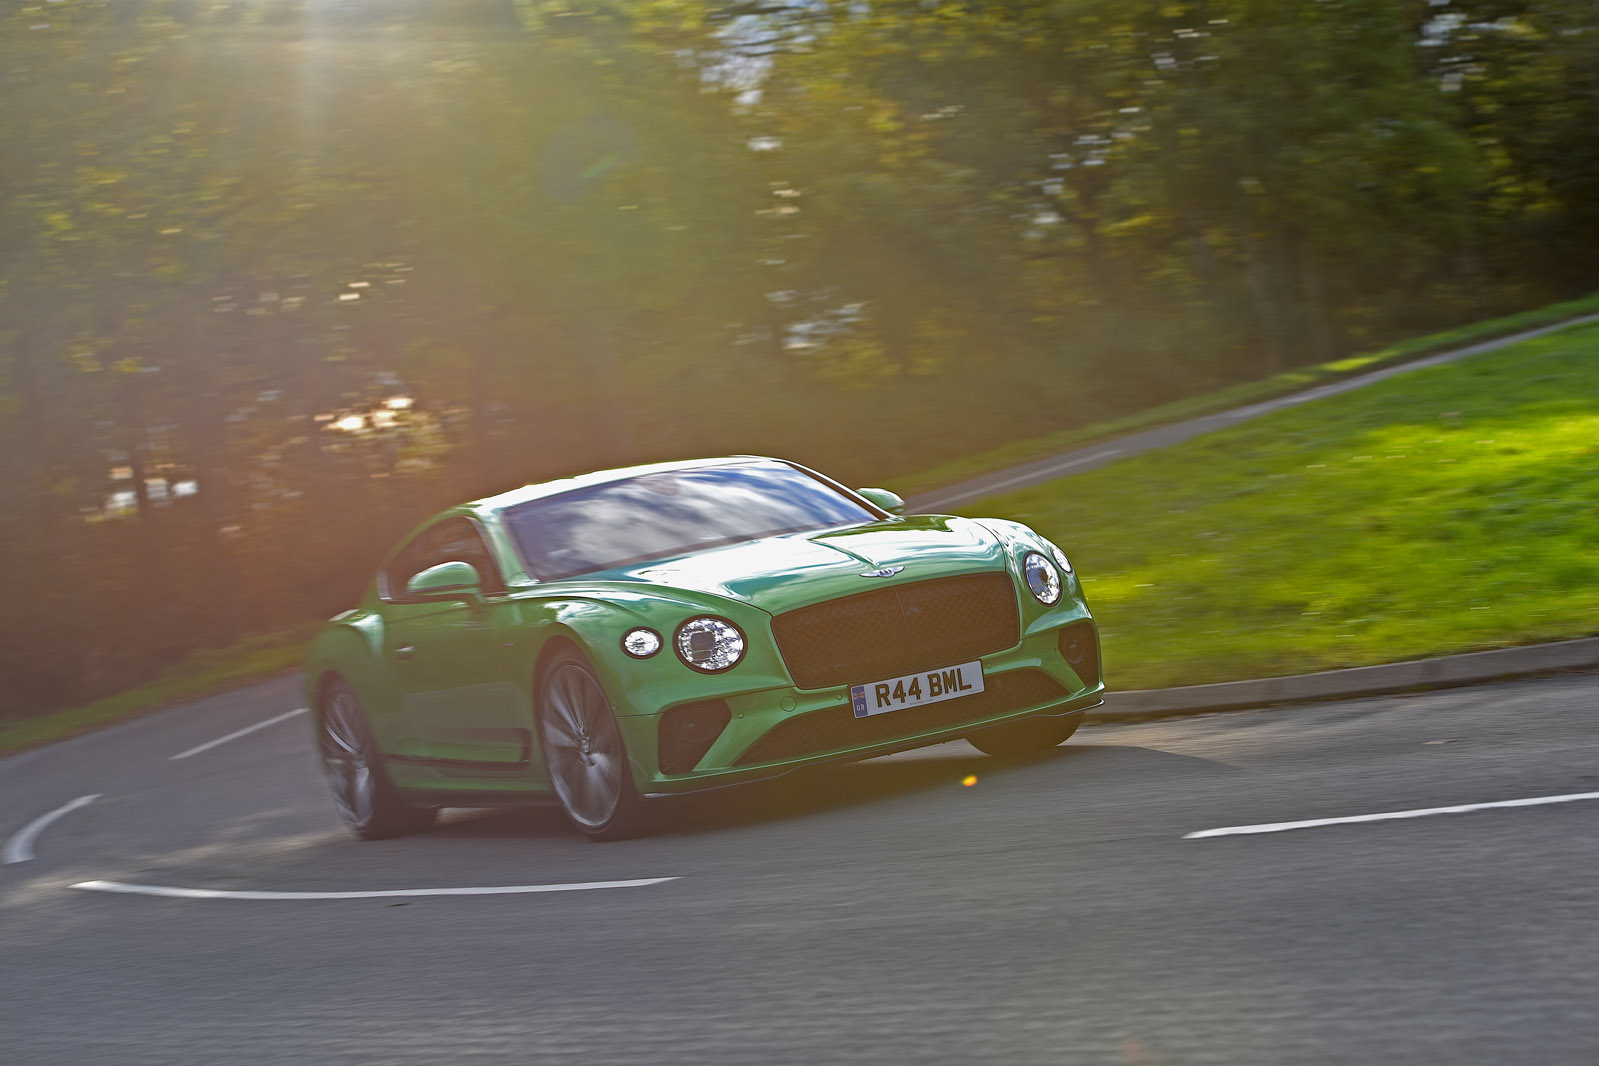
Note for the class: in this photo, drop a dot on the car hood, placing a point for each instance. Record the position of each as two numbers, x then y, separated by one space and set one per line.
778 574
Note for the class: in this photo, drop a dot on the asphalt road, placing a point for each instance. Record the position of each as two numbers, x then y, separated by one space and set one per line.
881 912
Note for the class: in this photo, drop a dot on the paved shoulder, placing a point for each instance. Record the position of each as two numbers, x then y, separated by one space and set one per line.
1089 458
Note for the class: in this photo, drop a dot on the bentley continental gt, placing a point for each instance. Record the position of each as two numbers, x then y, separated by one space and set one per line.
662 629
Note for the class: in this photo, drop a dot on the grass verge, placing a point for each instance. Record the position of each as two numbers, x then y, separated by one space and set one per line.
198 674
1452 509
1239 395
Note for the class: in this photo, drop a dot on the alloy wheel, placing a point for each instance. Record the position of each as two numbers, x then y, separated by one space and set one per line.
583 746
345 758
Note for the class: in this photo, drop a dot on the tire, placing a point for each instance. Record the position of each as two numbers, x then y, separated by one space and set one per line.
584 753
367 802
1025 736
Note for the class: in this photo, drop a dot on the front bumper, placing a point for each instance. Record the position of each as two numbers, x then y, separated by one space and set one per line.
772 731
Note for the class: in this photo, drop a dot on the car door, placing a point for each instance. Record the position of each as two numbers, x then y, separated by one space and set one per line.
455 660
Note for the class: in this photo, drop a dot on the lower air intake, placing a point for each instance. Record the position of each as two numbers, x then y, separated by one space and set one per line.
1079 646
837 728
687 733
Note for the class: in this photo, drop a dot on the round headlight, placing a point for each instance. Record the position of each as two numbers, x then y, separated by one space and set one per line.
641 643
1061 561
709 644
1042 579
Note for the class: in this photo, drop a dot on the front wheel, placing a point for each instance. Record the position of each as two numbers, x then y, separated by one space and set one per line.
584 753
1027 735
367 802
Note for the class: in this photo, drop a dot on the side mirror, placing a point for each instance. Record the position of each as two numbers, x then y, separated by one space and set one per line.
447 581
884 499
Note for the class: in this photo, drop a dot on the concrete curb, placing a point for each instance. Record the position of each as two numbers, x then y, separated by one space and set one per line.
1444 672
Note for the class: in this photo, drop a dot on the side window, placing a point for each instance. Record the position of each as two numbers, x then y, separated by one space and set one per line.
452 540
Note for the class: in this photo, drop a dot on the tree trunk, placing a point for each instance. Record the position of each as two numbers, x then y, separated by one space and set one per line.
213 594
1267 317
1318 326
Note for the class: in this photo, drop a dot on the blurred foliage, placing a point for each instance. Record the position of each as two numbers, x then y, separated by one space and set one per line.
202 673
1452 509
280 277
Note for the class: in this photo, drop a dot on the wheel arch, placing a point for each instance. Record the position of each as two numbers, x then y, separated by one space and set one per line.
317 686
346 652
569 640
562 640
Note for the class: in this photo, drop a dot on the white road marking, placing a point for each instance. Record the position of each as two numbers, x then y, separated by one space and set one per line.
236 734
20 847
1424 812
490 890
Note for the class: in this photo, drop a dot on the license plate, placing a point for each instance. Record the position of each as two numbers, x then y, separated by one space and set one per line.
914 690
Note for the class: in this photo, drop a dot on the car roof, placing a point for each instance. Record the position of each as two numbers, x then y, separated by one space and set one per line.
500 501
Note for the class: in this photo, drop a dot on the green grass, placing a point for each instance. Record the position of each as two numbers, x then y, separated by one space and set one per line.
1452 509
198 674
1240 395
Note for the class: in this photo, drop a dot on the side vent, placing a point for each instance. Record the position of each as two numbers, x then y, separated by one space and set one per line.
688 731
1079 646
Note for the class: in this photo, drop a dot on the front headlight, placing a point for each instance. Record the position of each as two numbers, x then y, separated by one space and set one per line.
1042 580
1061 561
641 643
709 644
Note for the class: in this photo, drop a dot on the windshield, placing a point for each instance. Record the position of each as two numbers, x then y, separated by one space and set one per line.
674 512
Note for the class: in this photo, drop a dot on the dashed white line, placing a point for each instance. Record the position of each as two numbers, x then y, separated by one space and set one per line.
1388 816
236 734
489 890
20 847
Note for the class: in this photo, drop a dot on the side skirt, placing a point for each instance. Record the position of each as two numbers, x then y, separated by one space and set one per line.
476 766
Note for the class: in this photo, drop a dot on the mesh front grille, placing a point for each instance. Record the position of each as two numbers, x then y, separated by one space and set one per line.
837 728
898 630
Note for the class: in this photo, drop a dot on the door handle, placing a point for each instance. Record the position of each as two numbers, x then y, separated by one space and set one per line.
404 652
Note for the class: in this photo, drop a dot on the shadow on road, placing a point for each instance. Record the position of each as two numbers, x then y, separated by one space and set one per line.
302 847
820 790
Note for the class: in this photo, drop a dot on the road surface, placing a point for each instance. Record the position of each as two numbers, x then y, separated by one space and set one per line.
1054 911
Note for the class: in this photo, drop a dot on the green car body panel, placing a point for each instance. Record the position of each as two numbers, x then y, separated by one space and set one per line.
449 685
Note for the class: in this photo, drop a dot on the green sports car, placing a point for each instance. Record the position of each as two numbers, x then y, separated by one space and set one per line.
683 626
